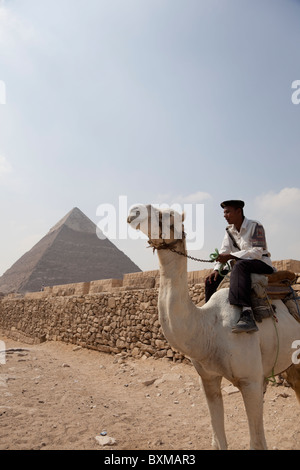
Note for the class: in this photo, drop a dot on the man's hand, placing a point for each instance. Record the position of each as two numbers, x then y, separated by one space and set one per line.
224 257
212 277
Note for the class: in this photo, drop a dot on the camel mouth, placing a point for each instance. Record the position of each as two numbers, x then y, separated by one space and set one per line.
138 213
134 214
131 218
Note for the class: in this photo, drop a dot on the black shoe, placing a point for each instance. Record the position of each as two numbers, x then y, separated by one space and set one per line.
246 323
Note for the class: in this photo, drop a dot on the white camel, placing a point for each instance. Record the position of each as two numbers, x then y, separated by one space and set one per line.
204 333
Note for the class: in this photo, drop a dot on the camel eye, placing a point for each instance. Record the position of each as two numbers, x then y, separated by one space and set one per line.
136 212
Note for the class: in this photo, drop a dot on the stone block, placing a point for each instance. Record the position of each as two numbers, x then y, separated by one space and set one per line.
141 280
104 285
111 302
35 295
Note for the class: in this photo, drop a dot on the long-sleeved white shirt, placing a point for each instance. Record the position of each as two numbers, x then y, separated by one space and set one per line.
251 241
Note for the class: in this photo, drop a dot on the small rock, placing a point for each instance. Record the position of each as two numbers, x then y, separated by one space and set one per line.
65 365
105 440
135 352
3 382
283 395
149 382
158 442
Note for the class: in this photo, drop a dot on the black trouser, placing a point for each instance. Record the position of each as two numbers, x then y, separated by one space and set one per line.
211 287
240 281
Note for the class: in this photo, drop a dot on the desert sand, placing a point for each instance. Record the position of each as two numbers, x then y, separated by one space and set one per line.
57 396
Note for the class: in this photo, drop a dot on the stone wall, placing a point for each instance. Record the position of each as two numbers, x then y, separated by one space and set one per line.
121 319
113 315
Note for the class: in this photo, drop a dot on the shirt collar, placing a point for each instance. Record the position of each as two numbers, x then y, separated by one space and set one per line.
243 226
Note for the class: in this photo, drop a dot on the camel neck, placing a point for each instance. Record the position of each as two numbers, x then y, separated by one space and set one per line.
178 316
174 297
173 268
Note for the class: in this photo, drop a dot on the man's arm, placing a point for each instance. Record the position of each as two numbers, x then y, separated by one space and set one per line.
224 251
225 257
255 247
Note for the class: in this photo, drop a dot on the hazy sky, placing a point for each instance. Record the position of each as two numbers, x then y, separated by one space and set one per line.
161 101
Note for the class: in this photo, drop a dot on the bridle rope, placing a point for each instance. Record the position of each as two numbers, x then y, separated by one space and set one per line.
169 246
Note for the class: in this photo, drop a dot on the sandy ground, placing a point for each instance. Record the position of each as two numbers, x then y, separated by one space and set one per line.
58 396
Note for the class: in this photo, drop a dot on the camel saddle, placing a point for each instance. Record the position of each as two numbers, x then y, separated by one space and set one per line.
277 285
268 287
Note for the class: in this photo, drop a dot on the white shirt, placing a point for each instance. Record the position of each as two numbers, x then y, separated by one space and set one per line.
251 241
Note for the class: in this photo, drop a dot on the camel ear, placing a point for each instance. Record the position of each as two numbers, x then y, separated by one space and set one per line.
183 216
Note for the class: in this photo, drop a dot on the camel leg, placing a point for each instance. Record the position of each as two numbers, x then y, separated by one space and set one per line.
252 393
212 389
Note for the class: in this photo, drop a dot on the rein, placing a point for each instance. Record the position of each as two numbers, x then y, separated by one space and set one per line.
168 246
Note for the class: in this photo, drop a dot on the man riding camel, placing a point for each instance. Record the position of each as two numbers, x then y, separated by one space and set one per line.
245 243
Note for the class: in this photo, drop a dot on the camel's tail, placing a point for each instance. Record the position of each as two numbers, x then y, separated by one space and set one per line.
292 376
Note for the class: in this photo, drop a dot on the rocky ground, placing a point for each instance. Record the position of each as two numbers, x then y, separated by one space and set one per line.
58 396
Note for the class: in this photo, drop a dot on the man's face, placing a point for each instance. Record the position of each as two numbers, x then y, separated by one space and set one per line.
232 215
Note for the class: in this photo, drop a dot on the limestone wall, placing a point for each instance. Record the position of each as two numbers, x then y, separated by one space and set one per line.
121 320
109 315
287 265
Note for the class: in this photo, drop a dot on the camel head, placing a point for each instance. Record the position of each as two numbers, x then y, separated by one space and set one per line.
163 227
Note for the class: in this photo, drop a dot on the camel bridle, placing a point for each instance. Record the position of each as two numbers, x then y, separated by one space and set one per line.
163 245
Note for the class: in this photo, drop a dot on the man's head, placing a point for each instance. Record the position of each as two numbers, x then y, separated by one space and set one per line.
233 211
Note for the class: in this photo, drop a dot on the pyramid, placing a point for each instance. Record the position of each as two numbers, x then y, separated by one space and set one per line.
70 252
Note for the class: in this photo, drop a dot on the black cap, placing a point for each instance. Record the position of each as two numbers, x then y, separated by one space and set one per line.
233 203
